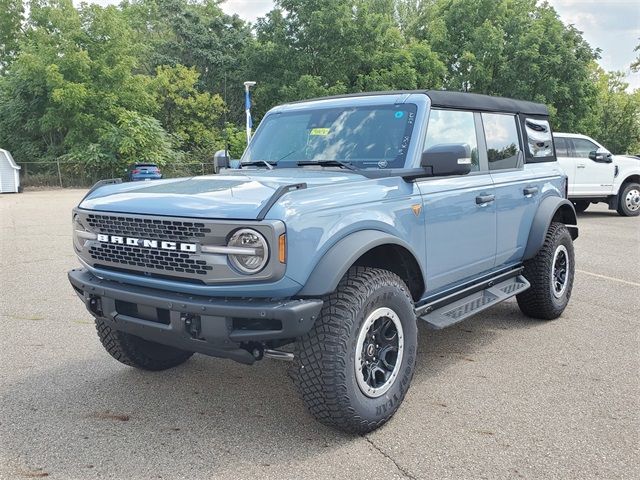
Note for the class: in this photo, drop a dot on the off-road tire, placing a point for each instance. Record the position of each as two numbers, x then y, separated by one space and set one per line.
137 352
324 366
581 205
539 301
623 209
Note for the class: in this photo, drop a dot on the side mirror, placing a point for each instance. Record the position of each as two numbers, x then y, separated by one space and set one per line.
220 160
447 159
601 156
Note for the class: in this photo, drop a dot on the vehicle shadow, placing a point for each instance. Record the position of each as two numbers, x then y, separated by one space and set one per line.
599 213
206 416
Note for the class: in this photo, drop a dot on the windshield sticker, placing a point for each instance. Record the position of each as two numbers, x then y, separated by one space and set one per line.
399 114
320 131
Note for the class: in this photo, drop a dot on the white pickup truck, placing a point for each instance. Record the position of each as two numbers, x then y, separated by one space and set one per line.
595 175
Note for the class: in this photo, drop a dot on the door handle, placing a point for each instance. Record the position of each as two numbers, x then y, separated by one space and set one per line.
530 191
581 165
484 199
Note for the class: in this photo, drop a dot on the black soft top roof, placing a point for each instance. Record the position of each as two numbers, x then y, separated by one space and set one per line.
462 100
474 101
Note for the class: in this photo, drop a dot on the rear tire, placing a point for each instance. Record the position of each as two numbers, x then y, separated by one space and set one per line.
551 274
581 205
354 367
137 352
629 200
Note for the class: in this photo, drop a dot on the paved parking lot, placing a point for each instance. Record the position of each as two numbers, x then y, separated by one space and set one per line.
498 396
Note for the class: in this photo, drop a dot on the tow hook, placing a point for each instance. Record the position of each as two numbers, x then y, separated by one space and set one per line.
95 305
192 324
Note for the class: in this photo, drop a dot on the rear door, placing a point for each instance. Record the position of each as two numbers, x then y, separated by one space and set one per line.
592 179
566 160
517 188
460 211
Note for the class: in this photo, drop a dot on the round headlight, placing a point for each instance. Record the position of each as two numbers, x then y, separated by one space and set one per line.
256 247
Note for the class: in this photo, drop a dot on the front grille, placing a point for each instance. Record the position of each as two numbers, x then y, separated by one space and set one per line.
147 228
140 246
168 261
150 260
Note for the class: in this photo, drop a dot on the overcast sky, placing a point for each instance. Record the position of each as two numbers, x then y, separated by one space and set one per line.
610 25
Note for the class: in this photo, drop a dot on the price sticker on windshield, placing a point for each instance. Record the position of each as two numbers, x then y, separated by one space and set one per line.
320 131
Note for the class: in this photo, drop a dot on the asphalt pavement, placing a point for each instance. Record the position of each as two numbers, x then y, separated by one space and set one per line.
498 396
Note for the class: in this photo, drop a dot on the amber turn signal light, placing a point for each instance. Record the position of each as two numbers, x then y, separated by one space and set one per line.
282 248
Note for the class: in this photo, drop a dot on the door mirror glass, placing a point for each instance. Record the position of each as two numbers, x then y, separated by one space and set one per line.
447 159
601 155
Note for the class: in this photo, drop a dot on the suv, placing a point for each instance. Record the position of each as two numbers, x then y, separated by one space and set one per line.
350 220
595 175
143 171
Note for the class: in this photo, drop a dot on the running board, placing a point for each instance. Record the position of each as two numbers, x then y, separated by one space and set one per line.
463 308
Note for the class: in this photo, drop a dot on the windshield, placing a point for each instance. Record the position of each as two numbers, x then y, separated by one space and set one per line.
365 137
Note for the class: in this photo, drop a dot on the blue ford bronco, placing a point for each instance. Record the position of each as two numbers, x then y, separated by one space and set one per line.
350 220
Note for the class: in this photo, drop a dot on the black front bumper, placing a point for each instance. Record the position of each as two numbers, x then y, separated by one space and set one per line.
219 327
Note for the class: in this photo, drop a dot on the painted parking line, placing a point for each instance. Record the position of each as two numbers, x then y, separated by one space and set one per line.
608 278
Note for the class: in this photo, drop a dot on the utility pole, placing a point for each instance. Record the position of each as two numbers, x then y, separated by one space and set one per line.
247 107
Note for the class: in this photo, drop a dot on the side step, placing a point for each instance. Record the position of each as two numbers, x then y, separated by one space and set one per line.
461 309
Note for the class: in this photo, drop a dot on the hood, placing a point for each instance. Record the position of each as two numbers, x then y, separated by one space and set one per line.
233 194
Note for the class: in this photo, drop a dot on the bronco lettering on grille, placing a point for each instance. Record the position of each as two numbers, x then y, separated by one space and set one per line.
146 243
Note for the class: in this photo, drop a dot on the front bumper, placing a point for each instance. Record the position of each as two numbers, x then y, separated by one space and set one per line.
219 327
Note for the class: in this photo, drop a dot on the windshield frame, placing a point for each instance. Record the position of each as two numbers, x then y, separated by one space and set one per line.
411 157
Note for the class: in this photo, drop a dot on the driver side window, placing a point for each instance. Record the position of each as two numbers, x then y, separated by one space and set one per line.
453 127
582 147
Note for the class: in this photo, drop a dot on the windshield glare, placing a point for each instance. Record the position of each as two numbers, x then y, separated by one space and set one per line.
366 137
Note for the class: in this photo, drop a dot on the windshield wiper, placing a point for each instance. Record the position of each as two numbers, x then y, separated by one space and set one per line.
259 163
328 163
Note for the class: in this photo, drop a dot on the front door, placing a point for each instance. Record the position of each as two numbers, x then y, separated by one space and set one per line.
460 211
592 179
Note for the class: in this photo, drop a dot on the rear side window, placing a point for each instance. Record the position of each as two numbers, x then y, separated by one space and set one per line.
453 126
539 137
562 147
503 144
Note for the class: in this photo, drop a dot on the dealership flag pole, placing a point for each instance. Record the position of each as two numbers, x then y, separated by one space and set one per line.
247 107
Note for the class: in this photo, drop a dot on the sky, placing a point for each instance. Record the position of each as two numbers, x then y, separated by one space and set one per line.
613 26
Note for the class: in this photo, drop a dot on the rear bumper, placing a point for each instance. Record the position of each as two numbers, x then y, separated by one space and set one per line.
214 326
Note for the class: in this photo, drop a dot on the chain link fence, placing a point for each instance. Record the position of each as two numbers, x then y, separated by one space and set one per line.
67 174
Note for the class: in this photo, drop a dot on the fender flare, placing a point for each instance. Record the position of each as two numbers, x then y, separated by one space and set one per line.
342 255
548 208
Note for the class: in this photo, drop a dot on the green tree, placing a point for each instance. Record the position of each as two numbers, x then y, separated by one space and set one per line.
615 113
72 88
195 34
192 116
514 48
307 48
10 30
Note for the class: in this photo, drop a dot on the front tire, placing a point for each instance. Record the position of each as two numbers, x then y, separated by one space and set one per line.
354 367
629 200
138 352
551 274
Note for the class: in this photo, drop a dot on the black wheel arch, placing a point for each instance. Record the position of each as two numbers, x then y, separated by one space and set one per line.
630 179
367 248
551 209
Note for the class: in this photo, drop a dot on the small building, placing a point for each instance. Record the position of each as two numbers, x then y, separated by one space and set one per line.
9 173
